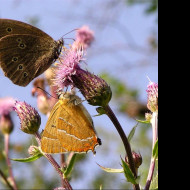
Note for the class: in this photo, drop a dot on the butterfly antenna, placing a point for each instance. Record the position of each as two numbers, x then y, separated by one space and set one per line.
70 31
69 39
47 92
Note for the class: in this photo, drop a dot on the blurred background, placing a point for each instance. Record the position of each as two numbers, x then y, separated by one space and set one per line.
124 53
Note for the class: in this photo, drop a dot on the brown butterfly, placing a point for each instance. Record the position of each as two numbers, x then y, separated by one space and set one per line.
69 128
25 51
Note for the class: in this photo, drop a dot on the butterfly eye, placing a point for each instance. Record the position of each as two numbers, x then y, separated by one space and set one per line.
9 29
15 59
22 46
25 74
20 67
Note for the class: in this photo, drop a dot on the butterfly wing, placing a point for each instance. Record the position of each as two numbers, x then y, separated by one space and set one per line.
9 27
24 57
69 128
49 142
75 129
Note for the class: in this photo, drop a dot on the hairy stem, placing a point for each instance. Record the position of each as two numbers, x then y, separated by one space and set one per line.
154 122
9 162
5 180
65 182
127 146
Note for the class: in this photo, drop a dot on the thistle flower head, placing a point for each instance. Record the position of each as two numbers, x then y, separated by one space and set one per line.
6 124
96 91
84 36
33 150
137 158
152 91
29 118
69 73
148 116
67 67
6 105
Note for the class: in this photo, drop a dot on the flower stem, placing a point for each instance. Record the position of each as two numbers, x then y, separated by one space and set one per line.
5 179
8 161
154 122
127 146
65 182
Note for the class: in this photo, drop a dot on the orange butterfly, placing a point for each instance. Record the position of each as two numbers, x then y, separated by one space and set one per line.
69 128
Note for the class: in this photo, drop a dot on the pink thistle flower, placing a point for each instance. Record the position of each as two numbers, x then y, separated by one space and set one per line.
67 67
6 105
68 73
84 37
94 89
152 90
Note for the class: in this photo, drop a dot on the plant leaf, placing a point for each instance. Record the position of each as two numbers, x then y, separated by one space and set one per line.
111 170
154 183
70 166
142 121
29 159
100 111
128 173
132 132
155 150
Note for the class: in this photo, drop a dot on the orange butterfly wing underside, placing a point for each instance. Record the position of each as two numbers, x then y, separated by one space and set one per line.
69 128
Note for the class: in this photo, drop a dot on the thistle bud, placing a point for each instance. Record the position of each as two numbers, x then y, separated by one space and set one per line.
33 150
29 118
137 158
148 116
96 91
6 124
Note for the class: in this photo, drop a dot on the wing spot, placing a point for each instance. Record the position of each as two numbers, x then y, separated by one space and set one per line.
22 46
9 30
15 59
18 40
25 74
20 67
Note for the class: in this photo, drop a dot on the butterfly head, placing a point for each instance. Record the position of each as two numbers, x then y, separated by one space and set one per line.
70 98
60 44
